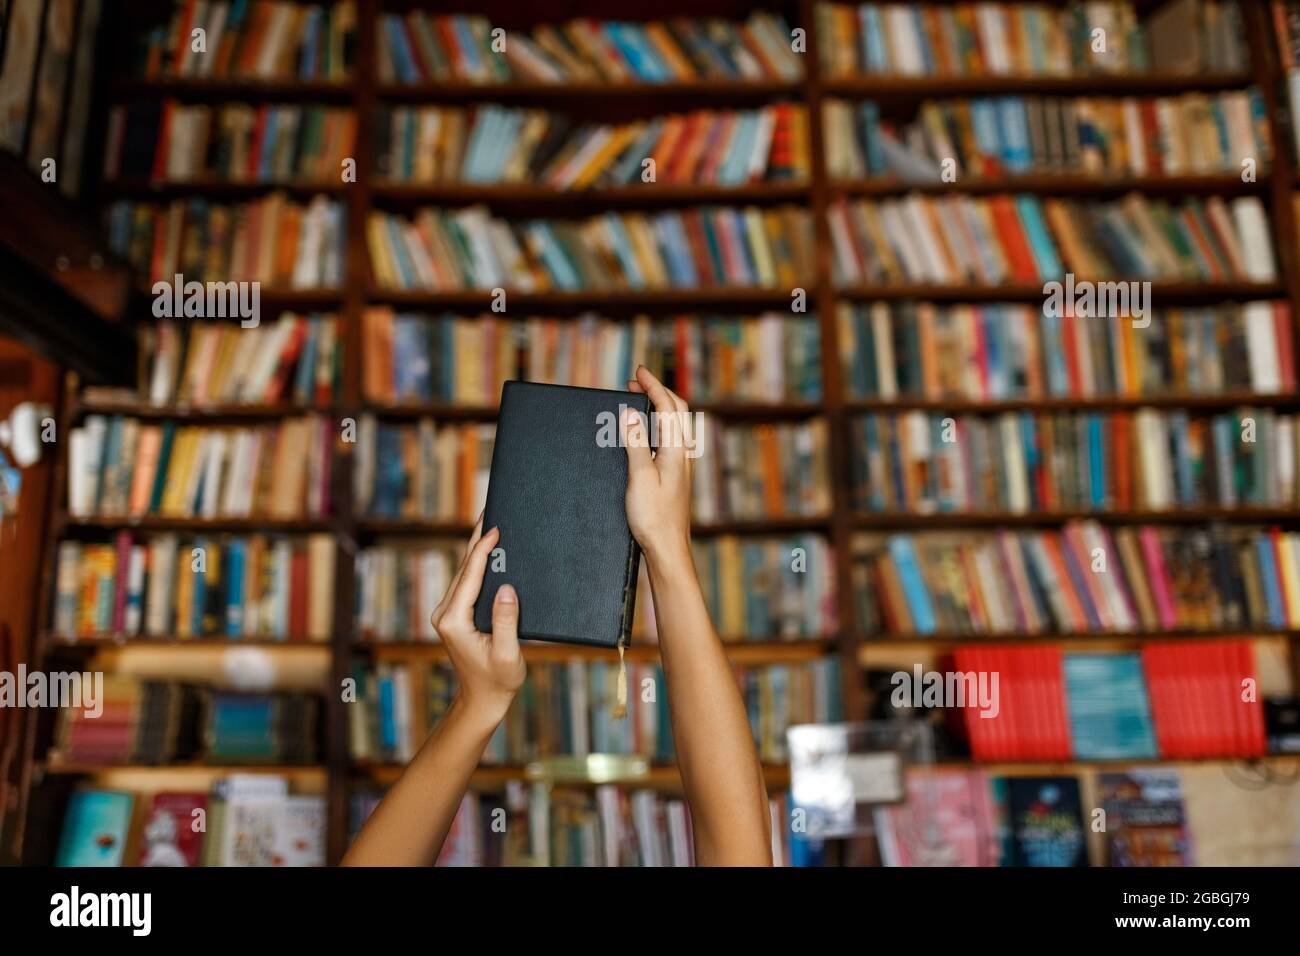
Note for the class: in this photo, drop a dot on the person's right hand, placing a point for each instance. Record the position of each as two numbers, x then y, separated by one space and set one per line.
659 487
489 667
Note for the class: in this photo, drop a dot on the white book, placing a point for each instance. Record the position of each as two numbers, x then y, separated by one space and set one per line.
1261 347
679 834
1285 460
1013 451
539 825
1252 231
217 454
935 268
900 26
161 594
645 820
756 167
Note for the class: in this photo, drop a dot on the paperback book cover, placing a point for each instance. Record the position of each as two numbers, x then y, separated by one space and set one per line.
95 829
1046 820
1146 823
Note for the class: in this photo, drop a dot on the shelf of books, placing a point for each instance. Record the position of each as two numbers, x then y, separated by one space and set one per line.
989 310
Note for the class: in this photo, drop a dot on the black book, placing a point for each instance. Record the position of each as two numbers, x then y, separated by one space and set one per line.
556 491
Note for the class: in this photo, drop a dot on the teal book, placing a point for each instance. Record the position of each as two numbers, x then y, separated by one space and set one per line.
95 829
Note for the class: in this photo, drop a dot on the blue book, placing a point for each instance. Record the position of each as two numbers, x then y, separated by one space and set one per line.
869 130
1110 718
95 828
403 62
1080 586
304 375
874 53
468 46
1183 476
1040 240
308 66
914 589
1014 127
387 714
235 570
673 241
984 120
1096 461
1272 587
401 256
199 598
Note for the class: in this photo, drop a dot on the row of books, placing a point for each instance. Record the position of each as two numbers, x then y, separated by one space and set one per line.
131 721
989 137
953 239
166 140
260 39
1021 462
752 472
499 144
954 817
271 240
991 352
120 466
157 722
469 248
1187 699
463 360
566 826
756 588
297 360
1029 39
246 820
566 709
767 588
425 48
422 470
1080 578
163 586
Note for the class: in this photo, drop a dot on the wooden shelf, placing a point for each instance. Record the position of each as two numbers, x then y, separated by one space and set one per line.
749 411
738 652
1058 403
941 642
401 526
218 189
1161 291
103 642
210 89
57 767
1056 183
254 525
203 414
1093 84
994 519
1072 767
776 299
656 194
713 91
656 777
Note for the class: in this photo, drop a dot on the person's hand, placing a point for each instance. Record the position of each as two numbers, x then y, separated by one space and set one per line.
659 487
489 667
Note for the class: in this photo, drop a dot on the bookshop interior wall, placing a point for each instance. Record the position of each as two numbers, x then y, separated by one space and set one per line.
988 310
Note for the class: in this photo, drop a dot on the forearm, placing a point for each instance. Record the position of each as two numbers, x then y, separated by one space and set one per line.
411 822
720 769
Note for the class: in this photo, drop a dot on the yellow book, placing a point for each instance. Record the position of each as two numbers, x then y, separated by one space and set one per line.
619 140
178 468
765 270
732 589
1286 553
380 258
184 593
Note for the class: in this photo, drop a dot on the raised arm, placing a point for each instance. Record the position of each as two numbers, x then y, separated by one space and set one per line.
410 824
720 770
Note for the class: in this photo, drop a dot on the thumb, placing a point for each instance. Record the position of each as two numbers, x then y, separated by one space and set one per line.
505 621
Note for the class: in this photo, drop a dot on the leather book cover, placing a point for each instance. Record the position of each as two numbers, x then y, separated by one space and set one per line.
556 491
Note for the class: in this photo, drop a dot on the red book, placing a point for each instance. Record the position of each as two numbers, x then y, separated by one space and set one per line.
1285 344
173 831
1252 711
1011 236
706 267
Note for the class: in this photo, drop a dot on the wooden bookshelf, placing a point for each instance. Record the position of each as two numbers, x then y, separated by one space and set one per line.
365 94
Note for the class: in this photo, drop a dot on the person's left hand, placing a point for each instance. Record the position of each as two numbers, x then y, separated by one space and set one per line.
489 667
